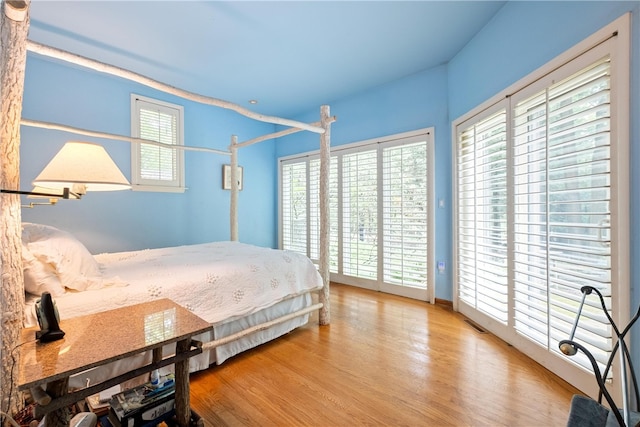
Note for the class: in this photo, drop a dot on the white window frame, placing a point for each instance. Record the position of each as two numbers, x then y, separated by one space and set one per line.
376 144
618 35
144 184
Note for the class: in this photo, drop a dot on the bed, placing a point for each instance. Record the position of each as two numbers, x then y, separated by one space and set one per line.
41 276
232 285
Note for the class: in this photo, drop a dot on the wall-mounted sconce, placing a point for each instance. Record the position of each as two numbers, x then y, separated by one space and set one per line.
77 168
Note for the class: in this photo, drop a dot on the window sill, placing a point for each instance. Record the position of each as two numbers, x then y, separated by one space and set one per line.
158 188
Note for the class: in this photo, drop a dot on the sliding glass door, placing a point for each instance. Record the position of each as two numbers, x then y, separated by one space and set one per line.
380 212
540 177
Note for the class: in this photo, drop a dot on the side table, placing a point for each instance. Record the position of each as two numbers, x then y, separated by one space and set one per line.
100 338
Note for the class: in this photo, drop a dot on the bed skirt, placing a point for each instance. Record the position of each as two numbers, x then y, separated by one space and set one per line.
215 355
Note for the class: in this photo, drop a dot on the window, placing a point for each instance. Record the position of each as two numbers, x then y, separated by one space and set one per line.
155 167
405 202
562 192
482 215
542 194
294 221
379 204
360 214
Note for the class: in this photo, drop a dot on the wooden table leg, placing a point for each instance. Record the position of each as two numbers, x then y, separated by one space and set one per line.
157 355
183 404
59 417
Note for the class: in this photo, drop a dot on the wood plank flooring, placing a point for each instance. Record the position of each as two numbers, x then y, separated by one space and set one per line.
384 360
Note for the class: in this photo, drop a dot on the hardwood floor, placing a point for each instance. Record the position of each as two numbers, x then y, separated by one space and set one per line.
384 360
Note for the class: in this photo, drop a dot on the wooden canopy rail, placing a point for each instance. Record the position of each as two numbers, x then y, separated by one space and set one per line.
138 78
323 128
104 135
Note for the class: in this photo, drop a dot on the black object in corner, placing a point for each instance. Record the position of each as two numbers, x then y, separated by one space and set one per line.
47 319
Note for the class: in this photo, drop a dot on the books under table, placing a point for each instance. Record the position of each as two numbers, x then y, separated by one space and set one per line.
142 405
99 403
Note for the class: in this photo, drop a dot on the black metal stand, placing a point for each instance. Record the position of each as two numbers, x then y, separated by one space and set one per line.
570 347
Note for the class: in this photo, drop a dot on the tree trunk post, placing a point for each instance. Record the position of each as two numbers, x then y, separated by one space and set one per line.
14 26
325 224
234 188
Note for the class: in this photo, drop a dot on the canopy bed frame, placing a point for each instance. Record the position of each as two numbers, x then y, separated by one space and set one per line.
13 59
323 128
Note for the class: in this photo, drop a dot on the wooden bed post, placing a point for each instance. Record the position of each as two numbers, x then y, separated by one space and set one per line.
14 26
325 163
233 205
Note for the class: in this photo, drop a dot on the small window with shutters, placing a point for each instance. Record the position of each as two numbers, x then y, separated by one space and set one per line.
156 167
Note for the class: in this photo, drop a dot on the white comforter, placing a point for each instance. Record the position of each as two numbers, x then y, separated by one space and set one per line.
218 281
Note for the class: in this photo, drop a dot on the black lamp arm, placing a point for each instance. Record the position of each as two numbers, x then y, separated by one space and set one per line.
66 193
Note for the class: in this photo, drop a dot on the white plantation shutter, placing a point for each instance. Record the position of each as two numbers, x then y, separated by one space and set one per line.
565 175
154 165
482 215
360 214
405 203
294 206
314 209
379 202
562 215
157 163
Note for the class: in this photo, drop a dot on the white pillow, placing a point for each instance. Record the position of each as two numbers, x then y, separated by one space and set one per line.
71 261
40 277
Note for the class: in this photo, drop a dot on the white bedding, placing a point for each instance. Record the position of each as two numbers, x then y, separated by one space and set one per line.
219 281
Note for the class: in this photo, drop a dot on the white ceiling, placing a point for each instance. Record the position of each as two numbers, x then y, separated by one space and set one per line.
292 56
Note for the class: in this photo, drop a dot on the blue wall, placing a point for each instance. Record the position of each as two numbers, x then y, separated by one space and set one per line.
415 102
524 36
128 220
521 37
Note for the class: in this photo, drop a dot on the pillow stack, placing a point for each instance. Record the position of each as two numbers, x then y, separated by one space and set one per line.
55 261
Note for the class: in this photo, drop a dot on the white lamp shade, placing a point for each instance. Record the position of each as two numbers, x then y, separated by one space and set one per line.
82 163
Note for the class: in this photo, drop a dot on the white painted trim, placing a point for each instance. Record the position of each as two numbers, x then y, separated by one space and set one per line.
621 176
349 146
432 206
139 183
